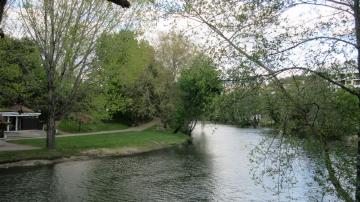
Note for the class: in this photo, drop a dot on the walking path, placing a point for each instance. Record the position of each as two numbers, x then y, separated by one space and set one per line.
5 146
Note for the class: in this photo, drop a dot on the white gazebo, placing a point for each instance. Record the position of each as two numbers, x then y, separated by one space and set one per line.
19 118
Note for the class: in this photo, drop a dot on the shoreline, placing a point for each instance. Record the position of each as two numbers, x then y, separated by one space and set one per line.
86 155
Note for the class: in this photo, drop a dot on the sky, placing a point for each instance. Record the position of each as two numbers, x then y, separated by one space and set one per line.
153 24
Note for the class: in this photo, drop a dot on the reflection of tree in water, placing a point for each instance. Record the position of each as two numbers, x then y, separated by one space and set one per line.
273 159
280 164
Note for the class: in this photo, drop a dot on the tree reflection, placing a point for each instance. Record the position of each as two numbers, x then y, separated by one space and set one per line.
281 164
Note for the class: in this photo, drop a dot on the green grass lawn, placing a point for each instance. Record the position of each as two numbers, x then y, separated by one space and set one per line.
72 126
70 146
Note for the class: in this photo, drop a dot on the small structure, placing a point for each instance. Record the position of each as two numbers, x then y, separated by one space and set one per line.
19 117
351 79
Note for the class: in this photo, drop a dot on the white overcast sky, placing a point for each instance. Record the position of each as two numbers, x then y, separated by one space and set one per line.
301 16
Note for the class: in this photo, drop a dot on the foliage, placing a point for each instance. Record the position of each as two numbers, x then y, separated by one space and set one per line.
125 72
175 52
122 57
320 119
198 86
317 107
22 79
259 35
240 106
66 33
74 125
141 100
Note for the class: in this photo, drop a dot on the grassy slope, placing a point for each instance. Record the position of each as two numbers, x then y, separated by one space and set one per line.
73 127
69 146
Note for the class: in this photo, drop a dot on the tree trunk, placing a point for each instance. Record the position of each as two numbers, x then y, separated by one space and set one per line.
51 130
177 129
50 141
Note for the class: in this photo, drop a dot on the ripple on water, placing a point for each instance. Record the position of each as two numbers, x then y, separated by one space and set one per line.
214 168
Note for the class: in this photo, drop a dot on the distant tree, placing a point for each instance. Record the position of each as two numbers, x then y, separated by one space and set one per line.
198 85
124 72
246 105
175 52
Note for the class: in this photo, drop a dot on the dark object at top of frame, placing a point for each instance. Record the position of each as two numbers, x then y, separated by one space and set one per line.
122 3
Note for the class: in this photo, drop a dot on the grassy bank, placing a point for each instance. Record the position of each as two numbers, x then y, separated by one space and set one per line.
71 126
80 145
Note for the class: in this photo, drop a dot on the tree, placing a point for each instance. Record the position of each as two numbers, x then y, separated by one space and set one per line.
66 33
124 72
253 31
198 85
175 52
325 110
245 107
22 78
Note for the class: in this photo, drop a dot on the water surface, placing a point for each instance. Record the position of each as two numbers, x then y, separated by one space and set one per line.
215 168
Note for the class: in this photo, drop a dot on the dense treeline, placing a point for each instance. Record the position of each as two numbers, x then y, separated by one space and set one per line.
131 82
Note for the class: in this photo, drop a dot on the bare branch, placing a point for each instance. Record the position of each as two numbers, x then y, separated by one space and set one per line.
325 5
315 39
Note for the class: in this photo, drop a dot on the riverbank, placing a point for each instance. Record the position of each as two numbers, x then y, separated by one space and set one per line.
90 146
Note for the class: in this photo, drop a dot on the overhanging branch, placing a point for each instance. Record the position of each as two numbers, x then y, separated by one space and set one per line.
315 39
323 76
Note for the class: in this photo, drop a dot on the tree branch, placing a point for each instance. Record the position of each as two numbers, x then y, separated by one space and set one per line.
314 39
323 76
332 175
325 5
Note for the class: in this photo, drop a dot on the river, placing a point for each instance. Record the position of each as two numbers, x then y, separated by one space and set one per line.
215 167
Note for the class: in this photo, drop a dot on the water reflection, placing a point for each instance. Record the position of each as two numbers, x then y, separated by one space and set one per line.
215 168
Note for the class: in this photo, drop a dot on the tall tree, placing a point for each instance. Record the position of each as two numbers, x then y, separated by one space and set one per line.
175 52
198 85
253 31
122 69
66 32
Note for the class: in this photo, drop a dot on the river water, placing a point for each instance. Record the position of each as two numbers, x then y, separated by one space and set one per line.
215 167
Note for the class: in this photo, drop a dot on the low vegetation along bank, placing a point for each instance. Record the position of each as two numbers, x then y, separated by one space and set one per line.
71 126
115 144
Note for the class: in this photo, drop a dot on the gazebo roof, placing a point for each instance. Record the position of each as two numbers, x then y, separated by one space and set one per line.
17 108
